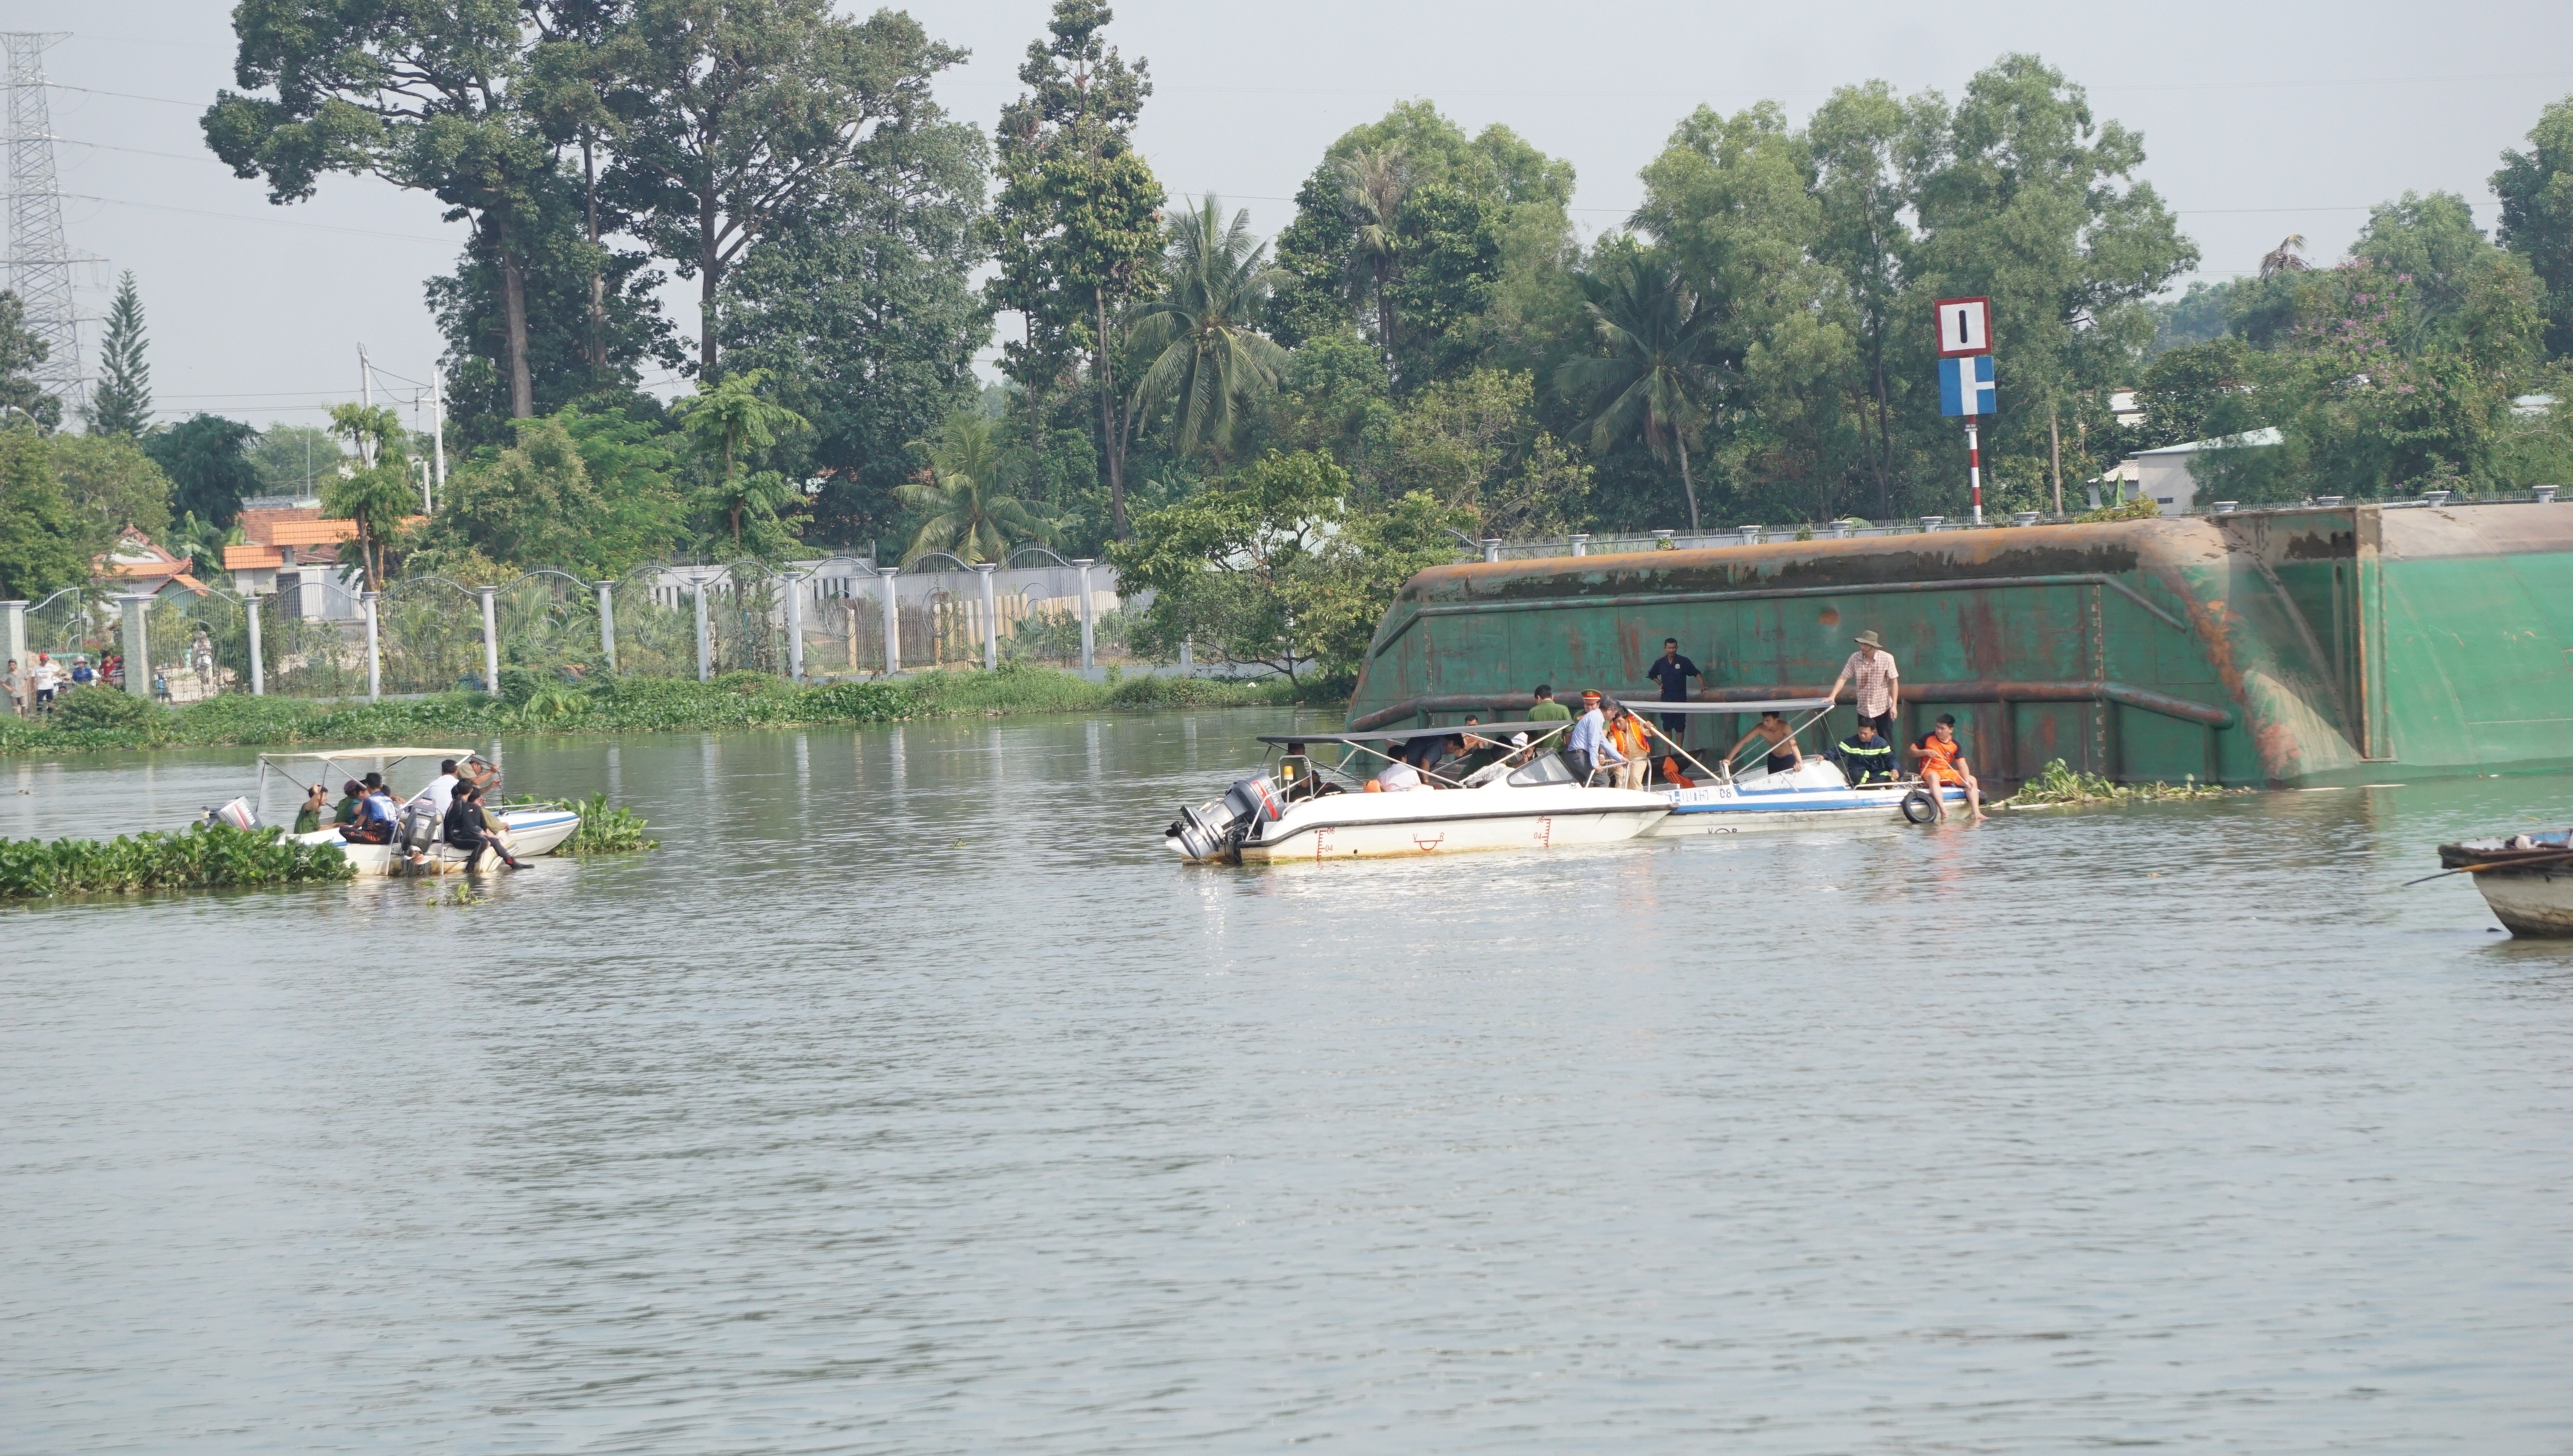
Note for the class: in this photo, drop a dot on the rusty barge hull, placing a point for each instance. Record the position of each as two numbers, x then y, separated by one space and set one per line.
2300 647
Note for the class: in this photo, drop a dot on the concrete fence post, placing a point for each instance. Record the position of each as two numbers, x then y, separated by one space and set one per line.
991 617
13 631
1491 549
1580 544
607 624
138 648
1088 644
491 640
1188 652
375 649
705 642
258 658
892 619
794 629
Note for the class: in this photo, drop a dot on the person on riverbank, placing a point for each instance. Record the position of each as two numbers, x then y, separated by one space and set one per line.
47 676
1784 756
1588 750
1943 761
1880 686
18 688
1866 758
308 818
1673 671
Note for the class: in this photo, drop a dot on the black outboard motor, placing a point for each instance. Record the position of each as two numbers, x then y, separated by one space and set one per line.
420 828
1219 826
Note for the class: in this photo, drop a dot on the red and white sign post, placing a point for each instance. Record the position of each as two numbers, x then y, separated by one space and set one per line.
1965 332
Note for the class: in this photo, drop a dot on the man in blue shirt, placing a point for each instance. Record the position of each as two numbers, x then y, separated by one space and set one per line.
1673 671
1589 748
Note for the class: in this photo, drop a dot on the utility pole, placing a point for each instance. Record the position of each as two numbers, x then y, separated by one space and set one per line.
436 438
366 396
40 264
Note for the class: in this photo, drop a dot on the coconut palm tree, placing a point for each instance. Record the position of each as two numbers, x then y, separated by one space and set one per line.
969 515
1660 362
1209 358
378 494
1374 183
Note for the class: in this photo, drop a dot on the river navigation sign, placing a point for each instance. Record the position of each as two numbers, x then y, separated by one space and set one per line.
1965 326
1966 386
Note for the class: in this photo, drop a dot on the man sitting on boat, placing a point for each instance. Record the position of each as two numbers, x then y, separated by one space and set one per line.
1943 761
375 815
469 830
1864 757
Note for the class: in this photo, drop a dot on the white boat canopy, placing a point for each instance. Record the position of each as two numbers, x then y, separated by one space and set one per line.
387 757
1398 735
1766 705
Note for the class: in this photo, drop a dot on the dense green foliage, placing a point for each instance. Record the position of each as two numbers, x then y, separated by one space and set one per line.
202 857
99 718
44 542
23 401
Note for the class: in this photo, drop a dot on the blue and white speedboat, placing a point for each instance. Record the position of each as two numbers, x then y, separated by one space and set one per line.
1814 792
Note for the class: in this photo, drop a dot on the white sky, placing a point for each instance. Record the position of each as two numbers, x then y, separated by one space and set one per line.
2258 121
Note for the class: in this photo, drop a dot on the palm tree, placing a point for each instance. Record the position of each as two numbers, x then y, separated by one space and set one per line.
1374 182
969 516
1209 357
1660 366
729 420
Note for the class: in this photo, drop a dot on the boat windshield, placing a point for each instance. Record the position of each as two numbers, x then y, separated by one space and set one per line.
1549 769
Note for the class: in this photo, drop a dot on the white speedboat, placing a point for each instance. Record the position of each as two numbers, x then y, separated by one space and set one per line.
1521 798
2527 879
527 829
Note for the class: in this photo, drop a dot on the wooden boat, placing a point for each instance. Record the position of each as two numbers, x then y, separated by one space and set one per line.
2527 879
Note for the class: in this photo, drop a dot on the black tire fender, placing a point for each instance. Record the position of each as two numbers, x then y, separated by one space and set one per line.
1919 807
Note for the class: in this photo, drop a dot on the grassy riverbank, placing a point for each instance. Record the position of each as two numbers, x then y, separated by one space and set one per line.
100 718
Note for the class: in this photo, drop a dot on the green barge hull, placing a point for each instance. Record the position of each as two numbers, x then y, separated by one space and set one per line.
2299 647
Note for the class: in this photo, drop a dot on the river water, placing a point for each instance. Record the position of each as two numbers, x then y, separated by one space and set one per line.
911 1098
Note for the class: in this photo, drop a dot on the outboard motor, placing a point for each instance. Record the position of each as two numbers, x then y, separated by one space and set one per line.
237 814
420 827
1219 826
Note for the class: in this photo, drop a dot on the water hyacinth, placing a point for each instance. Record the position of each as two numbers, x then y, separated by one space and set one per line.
202 857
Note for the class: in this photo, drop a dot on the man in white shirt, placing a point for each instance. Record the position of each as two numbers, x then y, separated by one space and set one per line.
48 678
439 793
1880 686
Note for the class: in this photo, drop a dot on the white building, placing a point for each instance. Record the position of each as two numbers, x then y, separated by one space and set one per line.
2163 474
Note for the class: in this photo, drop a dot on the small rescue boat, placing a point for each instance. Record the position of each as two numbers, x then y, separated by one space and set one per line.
1814 792
527 829
2527 880
1503 796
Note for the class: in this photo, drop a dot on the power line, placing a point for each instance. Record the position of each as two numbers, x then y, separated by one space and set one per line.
123 95
138 151
118 202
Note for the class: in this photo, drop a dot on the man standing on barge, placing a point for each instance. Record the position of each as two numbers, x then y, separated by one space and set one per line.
1880 686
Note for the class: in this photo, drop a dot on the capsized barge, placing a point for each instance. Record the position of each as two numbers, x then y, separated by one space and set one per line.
2290 647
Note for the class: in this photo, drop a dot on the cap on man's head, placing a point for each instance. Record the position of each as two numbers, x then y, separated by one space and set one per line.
1519 740
1869 639
350 787
1590 695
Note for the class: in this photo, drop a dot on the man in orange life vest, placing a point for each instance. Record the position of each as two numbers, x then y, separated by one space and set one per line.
1943 761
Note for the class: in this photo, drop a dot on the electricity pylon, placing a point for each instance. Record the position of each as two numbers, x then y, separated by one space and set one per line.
40 264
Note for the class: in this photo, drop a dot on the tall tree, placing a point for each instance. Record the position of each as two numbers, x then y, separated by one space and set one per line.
44 545
731 420
2536 190
1657 367
739 113
22 400
424 94
1210 362
206 457
1075 228
865 317
121 403
1862 140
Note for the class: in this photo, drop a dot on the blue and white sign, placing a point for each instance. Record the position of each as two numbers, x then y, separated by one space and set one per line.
1965 386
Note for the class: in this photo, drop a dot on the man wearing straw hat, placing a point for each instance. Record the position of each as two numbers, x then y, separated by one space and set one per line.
1880 686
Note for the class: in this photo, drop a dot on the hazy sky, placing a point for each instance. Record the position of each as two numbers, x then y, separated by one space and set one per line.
2258 121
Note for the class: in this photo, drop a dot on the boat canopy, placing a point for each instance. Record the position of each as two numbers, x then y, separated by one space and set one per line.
1766 705
459 754
1399 735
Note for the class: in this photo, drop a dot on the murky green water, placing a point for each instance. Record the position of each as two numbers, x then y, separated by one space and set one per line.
912 1099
